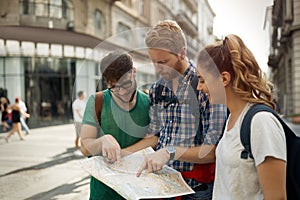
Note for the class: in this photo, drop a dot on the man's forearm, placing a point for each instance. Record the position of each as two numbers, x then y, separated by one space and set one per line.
90 146
202 154
148 141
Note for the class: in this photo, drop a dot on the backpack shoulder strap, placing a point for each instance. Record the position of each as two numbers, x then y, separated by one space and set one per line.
99 99
158 92
245 130
194 84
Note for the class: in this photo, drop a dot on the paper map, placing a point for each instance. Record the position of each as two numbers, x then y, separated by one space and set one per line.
122 178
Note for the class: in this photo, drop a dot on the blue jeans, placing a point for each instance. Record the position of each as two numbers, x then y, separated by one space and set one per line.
24 125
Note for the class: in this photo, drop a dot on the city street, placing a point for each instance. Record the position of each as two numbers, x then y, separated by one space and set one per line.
42 167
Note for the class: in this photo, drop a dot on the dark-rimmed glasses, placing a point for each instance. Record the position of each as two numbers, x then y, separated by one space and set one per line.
125 85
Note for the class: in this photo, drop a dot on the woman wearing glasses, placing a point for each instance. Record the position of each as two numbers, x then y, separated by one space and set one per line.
124 118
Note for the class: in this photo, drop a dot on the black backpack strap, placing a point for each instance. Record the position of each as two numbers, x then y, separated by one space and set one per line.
194 84
193 102
246 127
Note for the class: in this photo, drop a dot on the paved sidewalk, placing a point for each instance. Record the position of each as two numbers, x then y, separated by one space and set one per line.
43 166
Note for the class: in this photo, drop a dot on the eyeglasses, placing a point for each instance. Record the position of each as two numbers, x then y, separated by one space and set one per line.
126 85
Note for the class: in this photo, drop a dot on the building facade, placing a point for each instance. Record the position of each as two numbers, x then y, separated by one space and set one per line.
284 58
51 49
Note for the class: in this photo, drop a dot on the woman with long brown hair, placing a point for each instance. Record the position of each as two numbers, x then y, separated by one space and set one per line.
232 64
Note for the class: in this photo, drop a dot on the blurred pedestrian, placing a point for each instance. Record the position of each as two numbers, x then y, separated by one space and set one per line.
16 115
23 118
78 107
5 113
263 177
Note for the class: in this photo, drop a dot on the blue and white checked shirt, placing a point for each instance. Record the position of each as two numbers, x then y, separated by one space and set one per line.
177 122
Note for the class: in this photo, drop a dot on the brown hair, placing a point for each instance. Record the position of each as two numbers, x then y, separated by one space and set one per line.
233 56
115 65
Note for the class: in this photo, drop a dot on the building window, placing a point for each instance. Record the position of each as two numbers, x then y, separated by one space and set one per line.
55 8
27 7
98 18
41 8
47 8
123 31
142 7
64 9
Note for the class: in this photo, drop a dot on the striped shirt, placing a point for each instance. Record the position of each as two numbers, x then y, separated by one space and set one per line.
176 119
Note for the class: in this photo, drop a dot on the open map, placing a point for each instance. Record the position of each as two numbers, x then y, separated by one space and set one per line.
122 178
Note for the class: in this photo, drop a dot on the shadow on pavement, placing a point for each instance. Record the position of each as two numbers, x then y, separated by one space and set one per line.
57 159
64 189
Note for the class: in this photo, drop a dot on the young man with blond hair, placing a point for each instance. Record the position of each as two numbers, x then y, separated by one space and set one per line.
187 126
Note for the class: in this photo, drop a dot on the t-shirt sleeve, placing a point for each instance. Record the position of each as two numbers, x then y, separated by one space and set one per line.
267 137
89 116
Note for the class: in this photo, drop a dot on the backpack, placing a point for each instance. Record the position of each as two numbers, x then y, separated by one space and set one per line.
192 101
99 99
292 144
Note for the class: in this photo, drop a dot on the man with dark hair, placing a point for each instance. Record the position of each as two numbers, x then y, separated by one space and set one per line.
123 119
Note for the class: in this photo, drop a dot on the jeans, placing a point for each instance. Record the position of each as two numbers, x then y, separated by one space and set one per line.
24 125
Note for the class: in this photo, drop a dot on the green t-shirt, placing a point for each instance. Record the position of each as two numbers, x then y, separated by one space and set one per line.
127 127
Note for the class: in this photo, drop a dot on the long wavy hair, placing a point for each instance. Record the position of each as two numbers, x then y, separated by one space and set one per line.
247 79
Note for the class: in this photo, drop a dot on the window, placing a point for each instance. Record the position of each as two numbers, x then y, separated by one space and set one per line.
41 7
98 17
48 8
64 10
123 31
67 10
55 8
142 7
27 7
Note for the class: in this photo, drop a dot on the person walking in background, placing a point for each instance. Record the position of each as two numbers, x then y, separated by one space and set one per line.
78 107
180 118
5 113
122 121
23 107
16 115
263 177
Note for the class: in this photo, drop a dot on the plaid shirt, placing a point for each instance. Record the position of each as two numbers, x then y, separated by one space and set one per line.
176 120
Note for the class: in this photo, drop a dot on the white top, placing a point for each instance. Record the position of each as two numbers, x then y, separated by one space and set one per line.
22 106
236 178
78 106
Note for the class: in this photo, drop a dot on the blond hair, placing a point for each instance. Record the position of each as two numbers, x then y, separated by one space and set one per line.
247 79
166 35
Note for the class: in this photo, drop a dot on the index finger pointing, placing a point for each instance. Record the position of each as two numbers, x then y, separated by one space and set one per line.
142 168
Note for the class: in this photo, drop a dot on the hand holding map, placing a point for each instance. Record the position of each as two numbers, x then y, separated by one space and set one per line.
121 176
